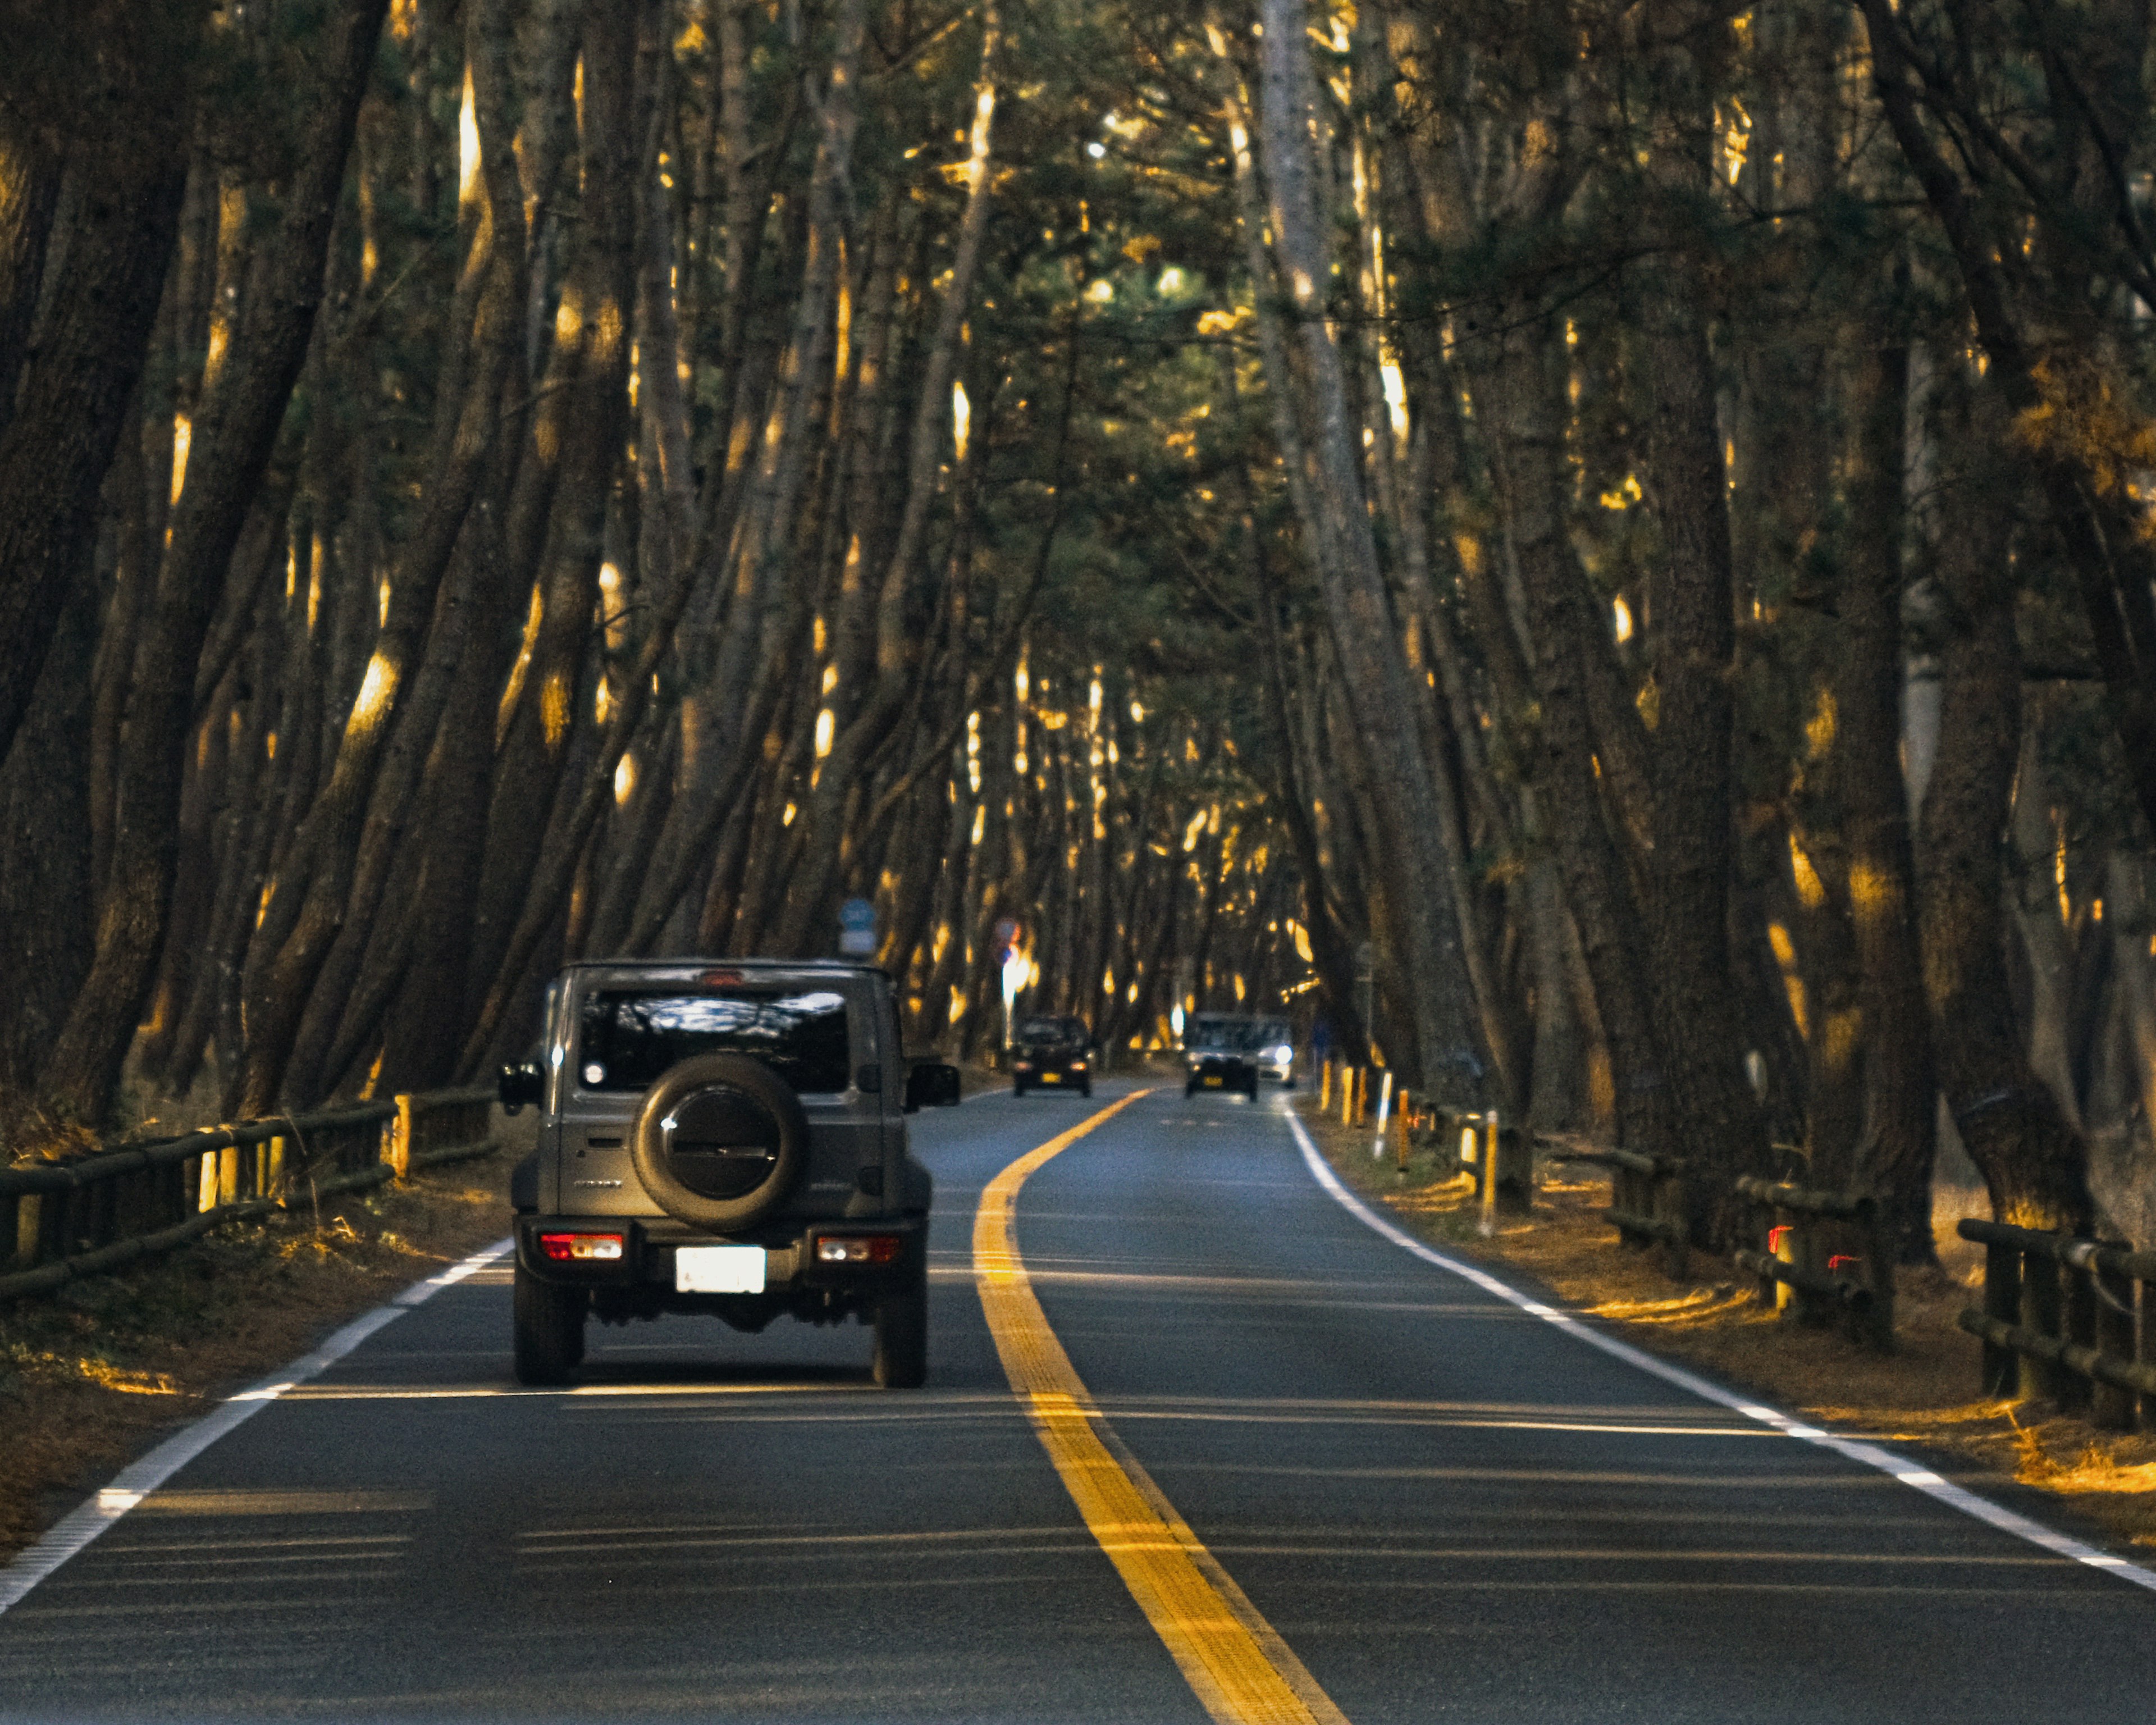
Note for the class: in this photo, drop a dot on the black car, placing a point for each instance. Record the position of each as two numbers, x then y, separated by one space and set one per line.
1057 1053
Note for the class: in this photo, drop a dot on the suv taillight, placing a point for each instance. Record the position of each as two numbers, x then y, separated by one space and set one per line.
574 1248
858 1248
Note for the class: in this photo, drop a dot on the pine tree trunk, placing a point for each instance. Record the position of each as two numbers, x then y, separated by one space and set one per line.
2034 1163
234 430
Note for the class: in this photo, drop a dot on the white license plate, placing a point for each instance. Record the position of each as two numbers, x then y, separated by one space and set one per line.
718 1270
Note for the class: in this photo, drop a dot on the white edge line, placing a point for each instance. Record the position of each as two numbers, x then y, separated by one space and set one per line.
102 1509
1918 1478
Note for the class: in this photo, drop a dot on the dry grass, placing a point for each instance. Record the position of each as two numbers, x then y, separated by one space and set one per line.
1920 1394
103 1368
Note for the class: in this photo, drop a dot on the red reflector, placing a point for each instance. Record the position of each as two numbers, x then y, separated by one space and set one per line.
858 1249
572 1248
720 978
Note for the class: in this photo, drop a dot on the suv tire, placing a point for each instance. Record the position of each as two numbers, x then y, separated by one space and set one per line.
766 1092
550 1329
902 1336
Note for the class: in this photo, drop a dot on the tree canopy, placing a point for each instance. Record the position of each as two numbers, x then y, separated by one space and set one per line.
1600 549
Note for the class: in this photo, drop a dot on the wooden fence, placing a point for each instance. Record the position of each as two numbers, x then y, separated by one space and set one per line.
2073 1320
95 1213
1823 1257
1648 1201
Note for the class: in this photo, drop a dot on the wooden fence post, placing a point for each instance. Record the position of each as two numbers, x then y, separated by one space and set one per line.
2078 1303
2040 1312
2145 1353
2002 1302
1769 1290
1676 1212
1879 1275
2112 1406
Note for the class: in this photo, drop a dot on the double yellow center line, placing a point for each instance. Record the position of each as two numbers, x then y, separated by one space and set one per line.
1234 1662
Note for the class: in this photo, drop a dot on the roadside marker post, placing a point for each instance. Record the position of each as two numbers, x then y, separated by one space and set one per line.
1488 1225
1384 1114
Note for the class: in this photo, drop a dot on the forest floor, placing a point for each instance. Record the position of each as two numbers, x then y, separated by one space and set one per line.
101 1369
1918 1395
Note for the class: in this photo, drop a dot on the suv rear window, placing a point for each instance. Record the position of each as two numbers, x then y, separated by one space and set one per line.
628 1037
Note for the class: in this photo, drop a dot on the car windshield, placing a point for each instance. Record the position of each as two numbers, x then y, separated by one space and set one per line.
1049 1030
628 1037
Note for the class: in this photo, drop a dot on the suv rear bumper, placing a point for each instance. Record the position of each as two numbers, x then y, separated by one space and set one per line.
791 1263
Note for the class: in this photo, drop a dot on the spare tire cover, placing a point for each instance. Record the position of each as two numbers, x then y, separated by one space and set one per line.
720 1141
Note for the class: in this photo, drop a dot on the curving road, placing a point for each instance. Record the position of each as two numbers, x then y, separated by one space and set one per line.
1386 1491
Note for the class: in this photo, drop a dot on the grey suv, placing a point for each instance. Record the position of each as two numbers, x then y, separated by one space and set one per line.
725 1137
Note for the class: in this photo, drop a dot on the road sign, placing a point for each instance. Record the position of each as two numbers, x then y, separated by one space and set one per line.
857 929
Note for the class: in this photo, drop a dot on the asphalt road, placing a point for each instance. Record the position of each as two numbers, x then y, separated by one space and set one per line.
1448 1509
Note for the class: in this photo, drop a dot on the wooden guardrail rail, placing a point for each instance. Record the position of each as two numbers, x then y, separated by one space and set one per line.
1823 1257
92 1214
1648 1201
2070 1320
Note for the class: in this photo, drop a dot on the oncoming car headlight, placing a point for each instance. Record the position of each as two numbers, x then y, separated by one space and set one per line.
1284 1053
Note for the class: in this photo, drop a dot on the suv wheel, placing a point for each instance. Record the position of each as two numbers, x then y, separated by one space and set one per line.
1017 1086
550 1329
902 1336
1085 1086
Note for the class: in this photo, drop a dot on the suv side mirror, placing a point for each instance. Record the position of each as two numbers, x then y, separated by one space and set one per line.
520 1085
931 1085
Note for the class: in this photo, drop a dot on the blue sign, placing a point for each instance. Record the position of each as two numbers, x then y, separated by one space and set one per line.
857 934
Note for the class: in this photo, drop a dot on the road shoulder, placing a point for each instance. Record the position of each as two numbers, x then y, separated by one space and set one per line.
106 1367
2099 1486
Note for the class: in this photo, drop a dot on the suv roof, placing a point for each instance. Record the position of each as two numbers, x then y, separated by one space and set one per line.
844 966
